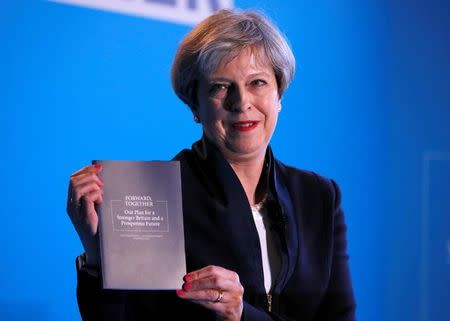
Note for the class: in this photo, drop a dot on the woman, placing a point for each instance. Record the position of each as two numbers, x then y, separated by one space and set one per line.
264 241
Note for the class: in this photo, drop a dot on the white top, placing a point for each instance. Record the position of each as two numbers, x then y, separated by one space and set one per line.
269 252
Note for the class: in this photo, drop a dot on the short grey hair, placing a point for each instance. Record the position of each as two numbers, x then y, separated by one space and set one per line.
225 34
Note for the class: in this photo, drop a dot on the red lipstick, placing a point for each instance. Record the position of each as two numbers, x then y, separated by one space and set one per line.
245 126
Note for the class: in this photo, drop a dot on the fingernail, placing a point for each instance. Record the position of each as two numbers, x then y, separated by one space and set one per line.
187 277
180 292
187 286
98 167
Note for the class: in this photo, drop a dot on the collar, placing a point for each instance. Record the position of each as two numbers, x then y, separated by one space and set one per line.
224 186
223 180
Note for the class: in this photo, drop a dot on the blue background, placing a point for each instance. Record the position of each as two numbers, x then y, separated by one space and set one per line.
369 107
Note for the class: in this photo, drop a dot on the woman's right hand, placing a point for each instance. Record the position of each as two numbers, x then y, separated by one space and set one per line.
86 190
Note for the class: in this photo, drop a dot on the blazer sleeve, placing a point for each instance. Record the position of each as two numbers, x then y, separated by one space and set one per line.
339 302
96 304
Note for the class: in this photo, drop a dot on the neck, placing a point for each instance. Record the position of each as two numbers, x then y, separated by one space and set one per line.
249 174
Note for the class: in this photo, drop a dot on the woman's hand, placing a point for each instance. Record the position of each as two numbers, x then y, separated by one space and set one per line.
217 289
85 190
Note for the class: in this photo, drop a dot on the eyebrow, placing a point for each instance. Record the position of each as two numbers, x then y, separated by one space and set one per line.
217 79
224 79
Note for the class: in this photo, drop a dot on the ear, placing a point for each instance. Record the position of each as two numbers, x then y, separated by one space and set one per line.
196 116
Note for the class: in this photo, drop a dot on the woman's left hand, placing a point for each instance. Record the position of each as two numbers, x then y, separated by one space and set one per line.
217 289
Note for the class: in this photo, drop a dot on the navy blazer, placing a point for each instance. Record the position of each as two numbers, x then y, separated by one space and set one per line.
314 282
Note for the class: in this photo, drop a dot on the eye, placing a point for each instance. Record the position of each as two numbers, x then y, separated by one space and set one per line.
218 89
258 82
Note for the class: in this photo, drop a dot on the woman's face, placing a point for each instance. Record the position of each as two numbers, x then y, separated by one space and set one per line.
238 105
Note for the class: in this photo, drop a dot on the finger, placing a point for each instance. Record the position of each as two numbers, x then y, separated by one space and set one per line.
93 197
213 282
74 199
84 189
89 200
84 178
87 213
210 271
205 296
96 168
73 195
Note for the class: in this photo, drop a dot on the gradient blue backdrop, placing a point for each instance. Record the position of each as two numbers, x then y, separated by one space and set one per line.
369 107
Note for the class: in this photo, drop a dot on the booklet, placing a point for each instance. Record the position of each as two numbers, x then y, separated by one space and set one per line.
141 233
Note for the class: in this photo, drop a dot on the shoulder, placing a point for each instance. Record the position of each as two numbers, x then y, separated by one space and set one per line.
182 155
186 158
307 182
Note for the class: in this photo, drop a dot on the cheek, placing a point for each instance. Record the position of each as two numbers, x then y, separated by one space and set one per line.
212 119
215 115
272 118
271 109
209 109
270 100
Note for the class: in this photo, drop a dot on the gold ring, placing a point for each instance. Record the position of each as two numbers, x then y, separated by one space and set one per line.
219 296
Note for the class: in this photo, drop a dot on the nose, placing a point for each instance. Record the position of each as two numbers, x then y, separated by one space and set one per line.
238 99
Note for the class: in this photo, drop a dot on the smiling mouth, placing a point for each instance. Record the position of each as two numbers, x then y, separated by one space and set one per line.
244 126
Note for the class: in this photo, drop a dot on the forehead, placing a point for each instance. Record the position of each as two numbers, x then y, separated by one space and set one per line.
249 58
